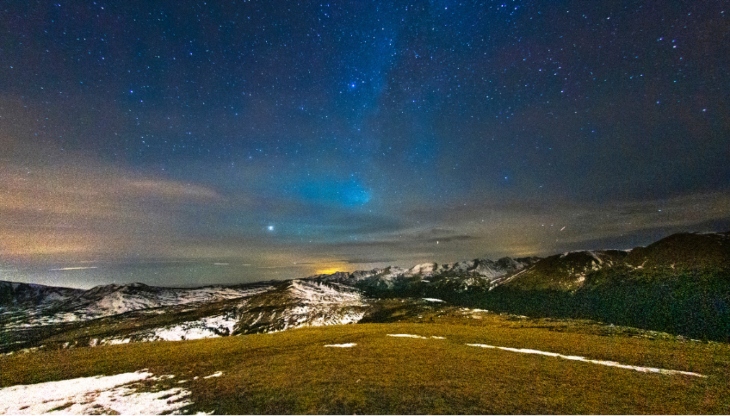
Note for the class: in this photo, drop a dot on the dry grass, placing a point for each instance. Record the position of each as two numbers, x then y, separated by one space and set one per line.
292 372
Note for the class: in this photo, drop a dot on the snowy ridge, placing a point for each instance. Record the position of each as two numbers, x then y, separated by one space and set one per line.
321 304
319 293
425 269
121 299
459 276
168 314
303 303
109 300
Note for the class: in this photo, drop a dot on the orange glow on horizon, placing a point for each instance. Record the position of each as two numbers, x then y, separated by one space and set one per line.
330 270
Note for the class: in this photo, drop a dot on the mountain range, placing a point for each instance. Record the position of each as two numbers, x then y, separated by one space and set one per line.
679 284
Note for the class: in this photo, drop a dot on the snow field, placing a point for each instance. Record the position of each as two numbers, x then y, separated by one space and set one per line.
318 293
92 395
202 328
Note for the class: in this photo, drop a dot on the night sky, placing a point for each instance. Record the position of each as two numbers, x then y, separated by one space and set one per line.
185 142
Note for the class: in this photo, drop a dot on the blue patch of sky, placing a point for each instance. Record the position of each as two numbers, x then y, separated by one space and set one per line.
344 193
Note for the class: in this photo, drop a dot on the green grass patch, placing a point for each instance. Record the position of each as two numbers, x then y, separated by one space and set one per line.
292 371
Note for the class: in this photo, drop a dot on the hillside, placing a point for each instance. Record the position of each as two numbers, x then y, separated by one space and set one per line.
564 272
679 284
15 295
684 251
465 362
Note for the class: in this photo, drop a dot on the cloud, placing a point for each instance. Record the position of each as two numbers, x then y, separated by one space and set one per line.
81 208
73 189
452 238
366 260
509 228
167 190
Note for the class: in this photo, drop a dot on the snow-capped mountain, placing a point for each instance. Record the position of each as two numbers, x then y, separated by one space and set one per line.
115 299
299 303
276 307
459 276
60 305
114 314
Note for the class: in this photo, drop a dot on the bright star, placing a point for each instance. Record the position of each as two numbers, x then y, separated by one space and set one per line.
270 228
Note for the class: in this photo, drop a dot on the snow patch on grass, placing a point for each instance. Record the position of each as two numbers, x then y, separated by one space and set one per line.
91 395
406 336
414 336
348 345
216 374
433 300
586 360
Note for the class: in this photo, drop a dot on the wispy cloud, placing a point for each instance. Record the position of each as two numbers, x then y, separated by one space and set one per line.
81 208
73 268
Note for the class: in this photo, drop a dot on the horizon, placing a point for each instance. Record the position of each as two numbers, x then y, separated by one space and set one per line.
286 140
109 273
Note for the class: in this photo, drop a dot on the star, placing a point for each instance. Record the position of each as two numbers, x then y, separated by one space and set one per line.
361 126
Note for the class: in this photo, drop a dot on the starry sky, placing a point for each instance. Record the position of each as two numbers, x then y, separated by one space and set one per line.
191 142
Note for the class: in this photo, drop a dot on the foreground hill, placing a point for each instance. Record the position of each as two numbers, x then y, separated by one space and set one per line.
465 362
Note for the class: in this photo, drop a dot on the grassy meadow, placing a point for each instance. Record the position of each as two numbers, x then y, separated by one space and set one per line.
292 371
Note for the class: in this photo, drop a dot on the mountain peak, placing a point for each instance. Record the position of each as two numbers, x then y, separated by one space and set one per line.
685 250
422 269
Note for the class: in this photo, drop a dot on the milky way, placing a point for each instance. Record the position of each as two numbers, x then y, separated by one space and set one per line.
245 140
